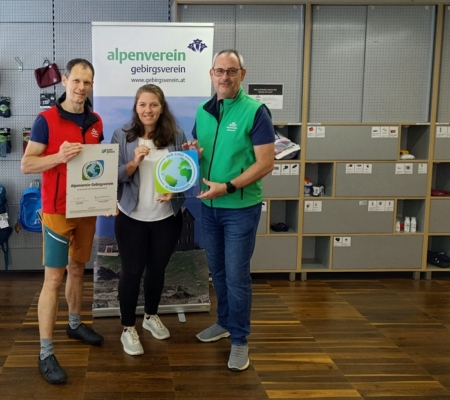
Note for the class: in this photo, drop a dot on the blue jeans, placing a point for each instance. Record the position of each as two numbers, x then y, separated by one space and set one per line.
229 236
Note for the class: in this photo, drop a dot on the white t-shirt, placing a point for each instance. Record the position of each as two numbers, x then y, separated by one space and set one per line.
147 208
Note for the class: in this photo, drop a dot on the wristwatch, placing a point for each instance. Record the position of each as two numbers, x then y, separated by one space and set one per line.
230 187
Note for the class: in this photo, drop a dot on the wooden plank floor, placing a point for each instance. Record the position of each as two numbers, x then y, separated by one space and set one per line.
332 337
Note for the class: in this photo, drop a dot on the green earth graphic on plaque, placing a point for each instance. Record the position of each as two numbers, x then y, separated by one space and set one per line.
93 170
176 172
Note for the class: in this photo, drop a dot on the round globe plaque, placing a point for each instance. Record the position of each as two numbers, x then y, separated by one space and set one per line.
176 172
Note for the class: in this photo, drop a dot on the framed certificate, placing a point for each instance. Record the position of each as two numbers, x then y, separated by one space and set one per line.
92 181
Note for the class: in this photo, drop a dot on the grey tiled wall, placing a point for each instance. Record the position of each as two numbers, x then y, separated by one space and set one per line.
58 30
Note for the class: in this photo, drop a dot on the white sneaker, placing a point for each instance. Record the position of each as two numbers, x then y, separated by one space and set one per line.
156 327
131 343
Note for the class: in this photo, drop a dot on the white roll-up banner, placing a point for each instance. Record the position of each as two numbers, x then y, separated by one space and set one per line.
176 57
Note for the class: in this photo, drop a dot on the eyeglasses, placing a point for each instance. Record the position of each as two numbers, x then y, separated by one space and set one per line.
229 71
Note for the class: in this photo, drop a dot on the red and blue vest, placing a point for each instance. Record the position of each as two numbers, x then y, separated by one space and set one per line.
60 130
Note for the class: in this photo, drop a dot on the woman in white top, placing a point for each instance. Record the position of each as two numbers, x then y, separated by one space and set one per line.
149 224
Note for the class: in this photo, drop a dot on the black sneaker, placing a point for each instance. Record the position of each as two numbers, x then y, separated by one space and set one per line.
85 334
51 370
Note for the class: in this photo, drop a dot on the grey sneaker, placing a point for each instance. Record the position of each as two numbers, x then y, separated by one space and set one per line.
131 343
212 334
238 360
156 327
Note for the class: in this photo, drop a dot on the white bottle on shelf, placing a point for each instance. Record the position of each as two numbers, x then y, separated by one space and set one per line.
407 226
397 226
413 224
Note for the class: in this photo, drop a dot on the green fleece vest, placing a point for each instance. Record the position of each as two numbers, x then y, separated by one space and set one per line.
228 148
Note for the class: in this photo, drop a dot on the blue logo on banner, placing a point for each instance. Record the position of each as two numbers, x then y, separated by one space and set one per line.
197 45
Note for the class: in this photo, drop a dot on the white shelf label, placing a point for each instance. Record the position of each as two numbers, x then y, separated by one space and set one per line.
349 168
367 168
423 168
372 206
393 131
346 241
399 169
264 206
295 169
317 206
285 169
441 131
276 169
309 206
320 132
311 132
384 131
338 241
381 205
389 205
408 168
359 168
376 132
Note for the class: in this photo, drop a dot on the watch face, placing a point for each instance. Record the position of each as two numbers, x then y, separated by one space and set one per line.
230 188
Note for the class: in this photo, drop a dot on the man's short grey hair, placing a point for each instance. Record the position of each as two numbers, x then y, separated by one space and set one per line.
229 51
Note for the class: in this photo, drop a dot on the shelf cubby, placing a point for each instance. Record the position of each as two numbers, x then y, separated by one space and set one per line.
347 216
412 208
320 174
351 143
378 252
275 253
439 215
439 244
262 225
383 180
291 131
284 181
315 253
441 176
442 143
416 139
286 211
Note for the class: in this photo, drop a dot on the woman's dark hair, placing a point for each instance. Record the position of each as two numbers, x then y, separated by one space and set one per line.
166 126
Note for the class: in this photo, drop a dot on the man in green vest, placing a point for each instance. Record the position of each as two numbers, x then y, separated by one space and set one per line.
235 138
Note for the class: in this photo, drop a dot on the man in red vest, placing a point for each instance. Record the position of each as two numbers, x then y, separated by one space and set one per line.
57 136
